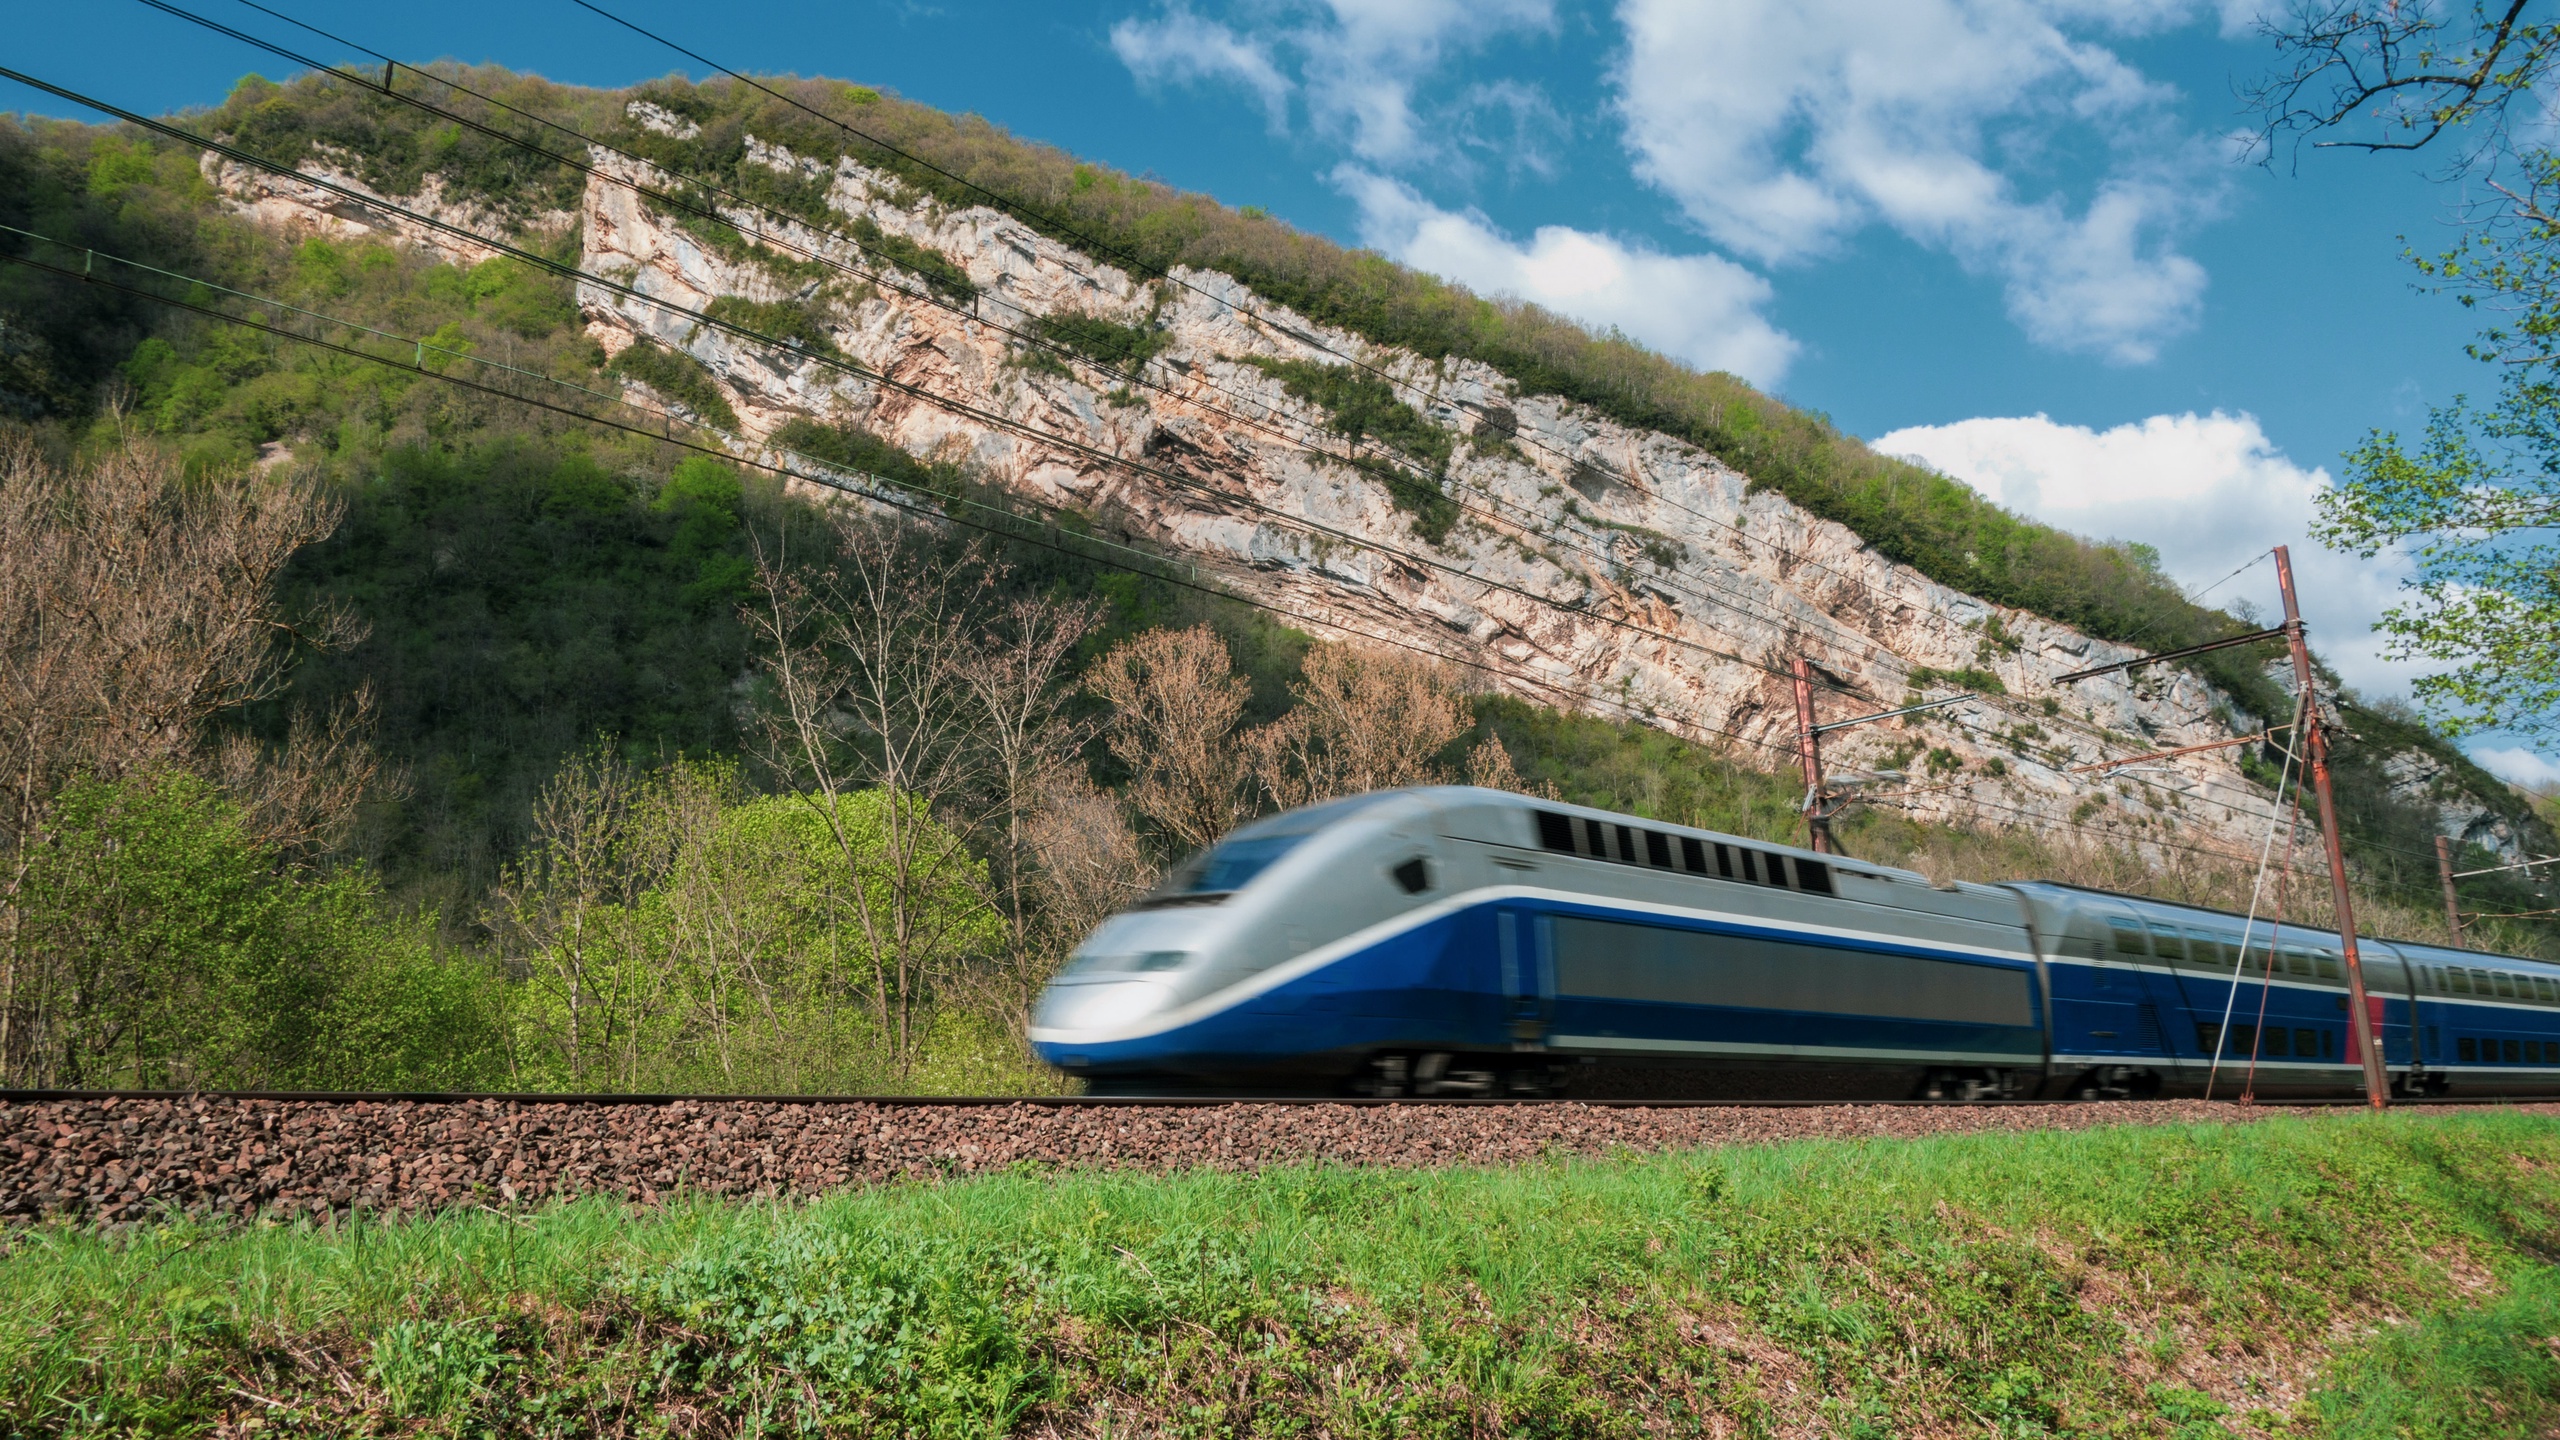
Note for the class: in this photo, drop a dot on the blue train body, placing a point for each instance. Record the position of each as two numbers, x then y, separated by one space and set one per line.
1454 941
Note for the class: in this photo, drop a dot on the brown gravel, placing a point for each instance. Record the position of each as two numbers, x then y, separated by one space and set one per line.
122 1160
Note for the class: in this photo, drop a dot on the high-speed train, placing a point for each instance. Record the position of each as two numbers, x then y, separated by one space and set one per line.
1455 941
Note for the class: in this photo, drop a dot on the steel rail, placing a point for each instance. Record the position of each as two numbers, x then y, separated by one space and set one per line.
1109 1102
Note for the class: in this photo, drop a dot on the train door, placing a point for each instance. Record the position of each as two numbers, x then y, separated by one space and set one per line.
1524 948
2124 1012
2391 990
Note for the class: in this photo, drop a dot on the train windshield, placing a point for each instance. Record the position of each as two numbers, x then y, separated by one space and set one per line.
1231 864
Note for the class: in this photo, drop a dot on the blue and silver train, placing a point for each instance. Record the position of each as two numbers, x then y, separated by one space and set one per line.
1454 941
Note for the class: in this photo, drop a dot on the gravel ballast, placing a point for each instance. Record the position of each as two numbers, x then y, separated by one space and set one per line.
121 1160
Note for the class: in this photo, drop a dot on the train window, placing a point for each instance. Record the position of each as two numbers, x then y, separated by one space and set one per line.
2328 1044
2480 983
1694 853
1657 848
2542 988
2244 1040
2207 1034
2126 936
2514 1051
2306 1043
2329 969
2533 1052
1555 831
1413 876
1746 864
1627 852
2279 1041
2208 950
1773 870
1668 965
2297 961
2167 943
2506 983
2466 1048
2435 1044
1812 876
2461 980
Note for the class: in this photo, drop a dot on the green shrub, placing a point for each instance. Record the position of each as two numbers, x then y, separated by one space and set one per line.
678 377
1360 406
180 949
938 271
1105 342
796 322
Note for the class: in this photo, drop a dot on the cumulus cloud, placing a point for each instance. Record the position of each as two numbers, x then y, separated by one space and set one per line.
1358 63
1781 127
1703 309
2517 765
2207 491
1180 48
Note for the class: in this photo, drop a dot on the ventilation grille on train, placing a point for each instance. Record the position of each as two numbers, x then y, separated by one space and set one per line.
1680 854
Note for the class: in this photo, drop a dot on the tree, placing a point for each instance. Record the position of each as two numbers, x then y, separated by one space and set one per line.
1366 719
1175 701
2477 505
1017 676
866 666
171 945
136 607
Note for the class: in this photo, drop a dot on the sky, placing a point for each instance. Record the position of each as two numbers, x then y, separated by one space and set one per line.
2015 239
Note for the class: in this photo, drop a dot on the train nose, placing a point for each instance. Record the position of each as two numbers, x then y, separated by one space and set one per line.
1098 1007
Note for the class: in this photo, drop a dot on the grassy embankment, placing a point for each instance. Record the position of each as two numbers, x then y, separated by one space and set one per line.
2349 1276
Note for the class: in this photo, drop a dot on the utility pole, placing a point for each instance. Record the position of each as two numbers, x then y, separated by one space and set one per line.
2315 738
1809 750
2452 909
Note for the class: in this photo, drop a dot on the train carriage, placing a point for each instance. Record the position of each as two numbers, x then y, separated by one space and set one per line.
1458 941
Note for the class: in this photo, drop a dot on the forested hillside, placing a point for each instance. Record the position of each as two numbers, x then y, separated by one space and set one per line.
511 705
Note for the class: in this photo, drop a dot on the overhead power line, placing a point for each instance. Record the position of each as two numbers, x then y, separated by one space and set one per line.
684 203
778 346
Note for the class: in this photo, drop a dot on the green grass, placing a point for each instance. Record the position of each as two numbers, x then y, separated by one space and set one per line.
2139 1281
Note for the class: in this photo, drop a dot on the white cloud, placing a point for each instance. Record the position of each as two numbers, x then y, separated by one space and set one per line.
1180 48
1782 127
2517 765
1704 309
2207 491
1359 62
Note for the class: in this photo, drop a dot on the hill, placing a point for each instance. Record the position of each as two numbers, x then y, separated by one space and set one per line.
1189 414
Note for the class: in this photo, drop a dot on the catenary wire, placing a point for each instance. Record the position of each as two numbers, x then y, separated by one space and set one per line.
862 372
1138 264
1869 643
824 476
980 414
1635 712
1520 522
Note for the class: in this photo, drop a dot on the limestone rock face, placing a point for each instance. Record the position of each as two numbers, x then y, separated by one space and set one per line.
1591 566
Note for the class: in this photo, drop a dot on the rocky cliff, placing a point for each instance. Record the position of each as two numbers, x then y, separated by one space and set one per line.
1584 563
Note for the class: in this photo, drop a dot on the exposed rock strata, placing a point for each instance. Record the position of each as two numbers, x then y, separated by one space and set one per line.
1596 566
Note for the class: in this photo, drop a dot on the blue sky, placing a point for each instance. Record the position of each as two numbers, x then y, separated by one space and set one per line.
2007 236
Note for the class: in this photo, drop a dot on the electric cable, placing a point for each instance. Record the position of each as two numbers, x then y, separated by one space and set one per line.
1525 525
807 354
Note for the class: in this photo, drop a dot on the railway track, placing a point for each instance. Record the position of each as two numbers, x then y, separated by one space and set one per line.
127 1157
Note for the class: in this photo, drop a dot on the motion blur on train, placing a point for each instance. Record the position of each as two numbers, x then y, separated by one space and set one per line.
1452 941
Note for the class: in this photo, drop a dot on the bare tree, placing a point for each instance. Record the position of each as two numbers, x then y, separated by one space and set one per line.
135 607
563 914
867 659
1018 678
1090 863
1176 699
1365 720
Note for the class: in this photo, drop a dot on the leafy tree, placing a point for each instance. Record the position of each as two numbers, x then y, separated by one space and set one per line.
2477 504
180 948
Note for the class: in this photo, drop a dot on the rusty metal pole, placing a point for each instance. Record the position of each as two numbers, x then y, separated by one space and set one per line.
2452 908
2315 741
1809 750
